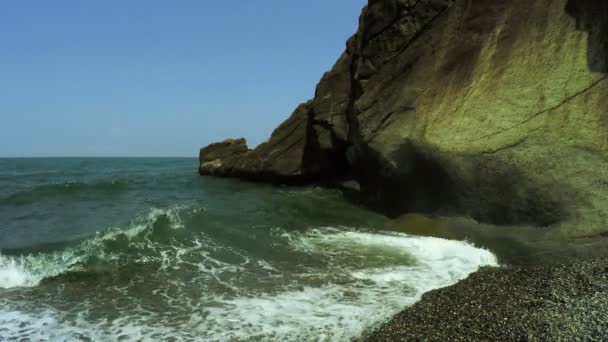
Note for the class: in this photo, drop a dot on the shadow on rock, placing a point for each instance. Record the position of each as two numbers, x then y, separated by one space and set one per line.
410 183
415 179
592 16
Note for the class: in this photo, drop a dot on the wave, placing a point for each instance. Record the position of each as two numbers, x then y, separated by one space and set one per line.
365 278
59 190
344 311
109 247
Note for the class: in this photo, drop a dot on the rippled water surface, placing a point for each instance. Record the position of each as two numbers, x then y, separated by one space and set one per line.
145 249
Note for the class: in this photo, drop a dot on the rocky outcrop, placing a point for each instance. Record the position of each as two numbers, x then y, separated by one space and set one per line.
293 154
220 158
495 110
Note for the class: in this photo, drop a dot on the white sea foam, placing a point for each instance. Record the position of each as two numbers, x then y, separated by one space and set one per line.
13 273
366 295
341 312
29 270
50 325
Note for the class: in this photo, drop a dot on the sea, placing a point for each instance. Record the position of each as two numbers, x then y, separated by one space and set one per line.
145 249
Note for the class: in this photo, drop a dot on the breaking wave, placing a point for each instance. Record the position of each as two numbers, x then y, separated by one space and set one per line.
107 247
362 279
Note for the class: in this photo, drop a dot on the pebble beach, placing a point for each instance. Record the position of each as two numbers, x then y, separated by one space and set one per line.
567 302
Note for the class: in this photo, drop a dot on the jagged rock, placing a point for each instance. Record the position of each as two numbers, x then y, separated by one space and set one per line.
496 110
219 158
291 155
282 155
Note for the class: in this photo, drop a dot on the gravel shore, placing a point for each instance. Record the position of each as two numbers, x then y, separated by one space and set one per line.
566 302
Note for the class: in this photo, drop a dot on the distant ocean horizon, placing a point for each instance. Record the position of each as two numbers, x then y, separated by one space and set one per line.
132 248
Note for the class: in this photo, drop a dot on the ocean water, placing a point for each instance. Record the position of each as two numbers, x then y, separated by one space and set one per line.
147 250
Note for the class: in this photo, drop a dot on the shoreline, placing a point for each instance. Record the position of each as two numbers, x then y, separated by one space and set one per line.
563 302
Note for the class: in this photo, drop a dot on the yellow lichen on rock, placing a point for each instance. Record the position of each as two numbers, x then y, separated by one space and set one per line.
213 164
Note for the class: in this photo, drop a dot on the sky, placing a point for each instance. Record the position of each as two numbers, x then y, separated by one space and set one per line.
159 78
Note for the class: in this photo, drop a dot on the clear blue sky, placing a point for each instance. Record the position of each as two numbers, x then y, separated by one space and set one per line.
159 78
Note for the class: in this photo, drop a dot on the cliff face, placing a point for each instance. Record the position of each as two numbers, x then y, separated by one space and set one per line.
497 110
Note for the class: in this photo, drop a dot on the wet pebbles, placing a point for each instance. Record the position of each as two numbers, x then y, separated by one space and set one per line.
539 303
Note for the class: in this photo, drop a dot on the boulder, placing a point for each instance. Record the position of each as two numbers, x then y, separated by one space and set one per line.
220 158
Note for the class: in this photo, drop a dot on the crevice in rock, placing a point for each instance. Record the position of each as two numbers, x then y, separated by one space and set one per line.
407 9
417 34
550 109
506 147
329 163
512 145
415 183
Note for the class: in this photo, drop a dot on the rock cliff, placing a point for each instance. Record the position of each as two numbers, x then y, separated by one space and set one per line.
495 110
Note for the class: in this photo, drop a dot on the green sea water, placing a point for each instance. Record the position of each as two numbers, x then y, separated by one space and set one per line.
145 249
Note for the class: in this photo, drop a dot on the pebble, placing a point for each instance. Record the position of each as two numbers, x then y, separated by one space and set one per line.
567 302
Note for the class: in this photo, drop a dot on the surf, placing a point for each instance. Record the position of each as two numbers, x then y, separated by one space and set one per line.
349 280
166 254
29 269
